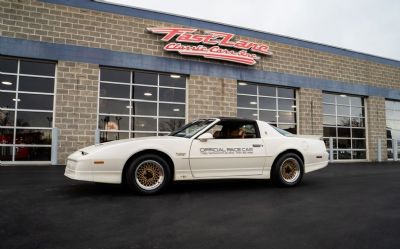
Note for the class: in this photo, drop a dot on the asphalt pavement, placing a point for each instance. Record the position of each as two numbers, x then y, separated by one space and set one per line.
342 206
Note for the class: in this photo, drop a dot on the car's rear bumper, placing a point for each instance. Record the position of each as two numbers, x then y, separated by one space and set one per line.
315 166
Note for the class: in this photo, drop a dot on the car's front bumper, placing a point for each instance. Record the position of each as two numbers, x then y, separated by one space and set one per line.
75 170
86 170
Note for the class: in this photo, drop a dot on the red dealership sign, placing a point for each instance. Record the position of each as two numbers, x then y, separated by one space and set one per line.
211 45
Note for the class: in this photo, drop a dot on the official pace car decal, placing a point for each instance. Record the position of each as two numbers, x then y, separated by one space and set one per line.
223 151
243 52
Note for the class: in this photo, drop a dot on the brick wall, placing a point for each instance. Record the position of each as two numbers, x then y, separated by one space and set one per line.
32 20
310 111
376 125
76 106
211 97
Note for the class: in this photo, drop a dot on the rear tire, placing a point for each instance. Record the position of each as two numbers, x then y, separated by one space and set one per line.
148 174
287 171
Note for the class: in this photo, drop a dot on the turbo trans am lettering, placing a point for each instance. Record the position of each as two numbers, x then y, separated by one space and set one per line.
244 53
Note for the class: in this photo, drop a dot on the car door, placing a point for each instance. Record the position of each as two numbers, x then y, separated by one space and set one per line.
228 153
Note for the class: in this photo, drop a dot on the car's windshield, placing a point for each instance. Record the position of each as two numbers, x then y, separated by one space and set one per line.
191 129
283 132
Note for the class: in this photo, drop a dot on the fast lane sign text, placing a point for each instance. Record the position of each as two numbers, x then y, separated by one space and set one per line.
243 52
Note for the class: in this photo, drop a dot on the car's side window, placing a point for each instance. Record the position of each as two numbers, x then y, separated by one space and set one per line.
234 130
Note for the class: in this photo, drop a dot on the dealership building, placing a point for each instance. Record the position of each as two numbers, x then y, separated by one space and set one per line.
78 72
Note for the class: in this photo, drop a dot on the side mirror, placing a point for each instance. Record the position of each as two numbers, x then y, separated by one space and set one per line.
204 137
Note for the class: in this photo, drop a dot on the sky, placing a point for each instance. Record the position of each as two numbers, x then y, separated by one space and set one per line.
368 26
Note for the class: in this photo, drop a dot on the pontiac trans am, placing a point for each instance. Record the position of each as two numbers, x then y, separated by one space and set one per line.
214 148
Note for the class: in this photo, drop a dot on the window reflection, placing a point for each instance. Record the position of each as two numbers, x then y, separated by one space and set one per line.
267 90
36 84
113 122
285 92
267 103
34 119
33 136
246 113
8 82
172 95
144 108
8 65
7 100
140 103
247 101
32 153
246 88
144 124
114 90
169 124
287 117
6 136
111 106
115 75
144 78
34 92
274 105
35 101
346 126
171 110
6 118
140 134
106 136
37 68
268 116
172 81
144 93
5 152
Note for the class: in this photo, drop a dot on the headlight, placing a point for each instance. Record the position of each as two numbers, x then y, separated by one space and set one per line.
83 153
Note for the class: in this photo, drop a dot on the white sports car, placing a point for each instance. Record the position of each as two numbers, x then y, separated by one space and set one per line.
215 148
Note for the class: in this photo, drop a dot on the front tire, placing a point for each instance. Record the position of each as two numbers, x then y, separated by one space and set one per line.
287 171
148 174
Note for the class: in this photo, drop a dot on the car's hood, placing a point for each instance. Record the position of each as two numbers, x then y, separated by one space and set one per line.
131 140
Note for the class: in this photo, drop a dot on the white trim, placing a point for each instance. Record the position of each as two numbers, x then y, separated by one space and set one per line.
28 75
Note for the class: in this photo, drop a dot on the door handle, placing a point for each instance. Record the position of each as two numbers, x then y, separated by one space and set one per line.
257 145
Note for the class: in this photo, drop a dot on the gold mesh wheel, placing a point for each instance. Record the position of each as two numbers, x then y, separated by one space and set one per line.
149 175
290 170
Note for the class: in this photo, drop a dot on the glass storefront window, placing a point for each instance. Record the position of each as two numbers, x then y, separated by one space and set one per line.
275 105
138 104
343 120
392 127
26 109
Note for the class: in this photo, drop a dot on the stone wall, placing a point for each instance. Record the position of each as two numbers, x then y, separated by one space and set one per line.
211 97
76 106
376 126
310 111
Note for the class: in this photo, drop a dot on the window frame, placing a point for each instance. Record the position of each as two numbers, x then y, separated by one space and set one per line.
276 98
353 139
14 145
136 133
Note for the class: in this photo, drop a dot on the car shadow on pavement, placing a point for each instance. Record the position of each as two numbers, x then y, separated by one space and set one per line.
179 188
